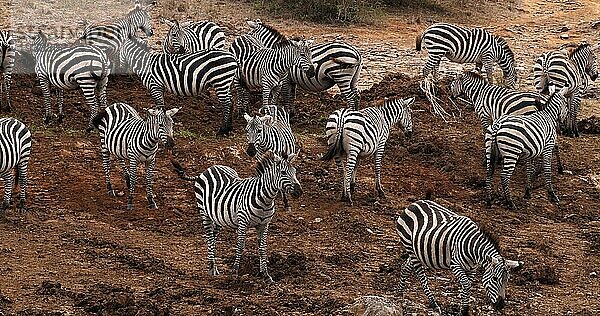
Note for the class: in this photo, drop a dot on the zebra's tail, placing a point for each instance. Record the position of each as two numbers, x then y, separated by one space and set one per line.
181 172
418 41
337 147
98 120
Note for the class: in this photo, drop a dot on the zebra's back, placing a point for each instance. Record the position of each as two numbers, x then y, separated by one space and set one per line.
118 127
15 143
555 68
527 134
457 43
203 35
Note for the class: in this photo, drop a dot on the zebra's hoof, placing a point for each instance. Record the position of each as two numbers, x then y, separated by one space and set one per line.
60 119
267 277
552 197
213 271
130 206
152 205
47 120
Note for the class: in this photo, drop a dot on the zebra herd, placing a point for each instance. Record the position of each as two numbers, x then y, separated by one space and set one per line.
516 124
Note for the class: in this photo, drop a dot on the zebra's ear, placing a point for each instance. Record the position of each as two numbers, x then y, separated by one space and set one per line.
138 4
276 157
247 117
172 112
563 91
309 42
252 24
153 111
166 21
291 158
409 102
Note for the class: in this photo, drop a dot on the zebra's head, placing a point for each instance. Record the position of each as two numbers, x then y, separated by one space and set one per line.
558 102
174 41
591 65
303 56
139 18
131 50
266 34
254 128
495 279
39 42
287 181
161 122
401 111
506 60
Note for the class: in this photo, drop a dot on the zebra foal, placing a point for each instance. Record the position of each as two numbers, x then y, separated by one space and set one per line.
15 148
82 67
130 138
7 62
191 37
265 133
183 74
438 238
464 45
361 134
524 136
226 200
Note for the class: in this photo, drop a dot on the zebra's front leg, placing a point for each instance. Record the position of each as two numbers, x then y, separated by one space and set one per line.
60 102
547 154
530 172
101 88
508 168
262 251
425 285
150 163
465 282
241 240
289 97
268 91
7 79
22 167
211 242
125 170
378 157
132 181
224 96
44 84
432 65
242 98
8 179
488 64
576 104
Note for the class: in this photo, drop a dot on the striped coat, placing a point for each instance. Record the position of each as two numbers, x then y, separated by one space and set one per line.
15 149
7 62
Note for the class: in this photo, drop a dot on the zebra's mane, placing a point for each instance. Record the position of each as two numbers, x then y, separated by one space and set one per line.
578 48
279 37
264 163
490 237
504 45
140 43
473 75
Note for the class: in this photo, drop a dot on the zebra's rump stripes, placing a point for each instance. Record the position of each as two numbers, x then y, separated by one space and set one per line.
15 149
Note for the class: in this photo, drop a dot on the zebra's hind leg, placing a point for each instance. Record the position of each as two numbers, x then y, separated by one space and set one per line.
530 173
132 181
7 79
224 96
241 240
507 170
424 284
377 160
351 164
90 99
490 169
45 85
59 101
149 193
547 154
353 178
8 179
262 251
407 269
432 65
210 234
22 178
340 166
465 282
106 166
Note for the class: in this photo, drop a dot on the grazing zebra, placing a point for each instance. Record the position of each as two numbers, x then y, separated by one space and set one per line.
82 67
130 138
264 133
266 68
8 47
438 238
110 37
183 74
360 134
567 70
336 63
524 136
226 200
15 146
191 37
463 45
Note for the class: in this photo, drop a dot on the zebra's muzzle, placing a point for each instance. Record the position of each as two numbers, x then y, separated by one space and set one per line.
499 304
251 150
296 191
170 142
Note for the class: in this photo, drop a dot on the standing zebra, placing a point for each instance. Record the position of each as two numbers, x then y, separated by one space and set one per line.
524 136
567 70
360 134
463 45
266 68
225 199
7 62
15 148
183 74
191 37
82 67
438 238
336 63
129 137
267 134
110 37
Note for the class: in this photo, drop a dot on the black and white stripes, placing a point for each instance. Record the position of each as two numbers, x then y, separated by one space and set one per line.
463 45
7 62
226 200
15 148
132 139
437 238
190 37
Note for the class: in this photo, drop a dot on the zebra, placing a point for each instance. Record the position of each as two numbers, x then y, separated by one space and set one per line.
191 37
524 136
8 47
361 134
437 238
567 70
226 200
131 138
110 37
183 74
265 133
82 67
266 68
463 45
336 63
15 146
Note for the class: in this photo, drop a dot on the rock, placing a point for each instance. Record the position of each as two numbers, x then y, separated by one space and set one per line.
564 28
564 36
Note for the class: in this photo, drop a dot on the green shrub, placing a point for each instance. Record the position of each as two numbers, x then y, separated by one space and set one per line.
323 11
